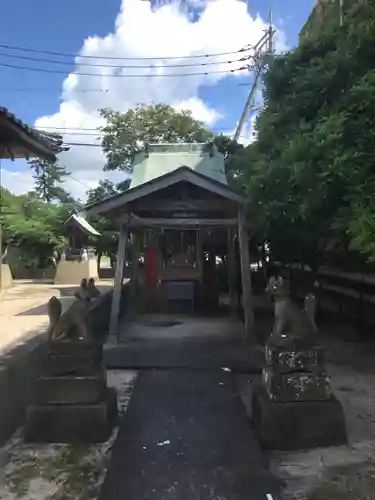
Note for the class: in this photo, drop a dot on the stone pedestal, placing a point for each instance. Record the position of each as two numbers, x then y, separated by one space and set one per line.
6 280
294 407
72 272
72 403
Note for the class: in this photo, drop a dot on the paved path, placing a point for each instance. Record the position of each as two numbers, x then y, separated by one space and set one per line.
23 310
185 436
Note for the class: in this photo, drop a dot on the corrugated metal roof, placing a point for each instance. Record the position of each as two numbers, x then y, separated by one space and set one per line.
160 159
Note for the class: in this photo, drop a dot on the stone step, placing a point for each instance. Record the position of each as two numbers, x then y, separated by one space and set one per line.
73 423
297 425
71 389
69 357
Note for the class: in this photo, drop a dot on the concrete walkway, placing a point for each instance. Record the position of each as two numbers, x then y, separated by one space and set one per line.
185 436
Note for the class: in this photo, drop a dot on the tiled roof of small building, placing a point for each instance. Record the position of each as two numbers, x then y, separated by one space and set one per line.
50 141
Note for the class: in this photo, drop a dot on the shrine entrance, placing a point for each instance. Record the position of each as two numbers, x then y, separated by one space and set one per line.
180 271
173 229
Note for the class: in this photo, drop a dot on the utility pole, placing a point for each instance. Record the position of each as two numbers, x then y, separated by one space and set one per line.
260 62
271 33
341 11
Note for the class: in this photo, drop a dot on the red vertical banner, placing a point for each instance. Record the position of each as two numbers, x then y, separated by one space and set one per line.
151 267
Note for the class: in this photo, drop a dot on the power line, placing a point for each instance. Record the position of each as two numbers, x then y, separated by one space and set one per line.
83 90
132 75
77 129
86 144
133 58
149 66
97 135
75 179
73 133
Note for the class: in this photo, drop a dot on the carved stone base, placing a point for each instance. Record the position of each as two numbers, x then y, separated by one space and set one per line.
73 423
297 425
290 355
64 357
297 386
71 389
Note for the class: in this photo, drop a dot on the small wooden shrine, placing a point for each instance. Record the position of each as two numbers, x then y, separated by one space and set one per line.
78 260
177 209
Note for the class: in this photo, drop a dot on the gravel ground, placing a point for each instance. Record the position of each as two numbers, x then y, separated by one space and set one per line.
60 471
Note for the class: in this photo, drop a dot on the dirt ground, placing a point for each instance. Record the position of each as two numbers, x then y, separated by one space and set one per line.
23 311
346 472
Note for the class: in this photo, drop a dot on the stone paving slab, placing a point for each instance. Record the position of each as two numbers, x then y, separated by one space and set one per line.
172 354
186 436
183 341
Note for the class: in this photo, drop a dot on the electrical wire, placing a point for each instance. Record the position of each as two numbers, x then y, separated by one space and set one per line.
86 131
84 90
132 75
130 58
132 66
84 144
77 180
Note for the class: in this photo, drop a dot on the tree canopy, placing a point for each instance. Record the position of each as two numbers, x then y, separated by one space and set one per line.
126 133
49 178
32 226
309 175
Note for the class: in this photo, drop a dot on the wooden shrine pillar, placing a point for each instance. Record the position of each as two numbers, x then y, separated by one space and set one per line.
232 271
118 283
247 294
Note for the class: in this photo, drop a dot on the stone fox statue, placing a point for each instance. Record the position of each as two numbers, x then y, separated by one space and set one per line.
289 319
72 323
92 290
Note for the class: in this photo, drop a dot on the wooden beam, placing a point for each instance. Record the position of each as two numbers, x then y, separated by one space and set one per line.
200 258
182 174
232 271
247 294
119 275
184 223
161 205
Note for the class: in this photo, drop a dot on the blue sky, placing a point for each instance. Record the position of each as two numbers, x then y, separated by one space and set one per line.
63 27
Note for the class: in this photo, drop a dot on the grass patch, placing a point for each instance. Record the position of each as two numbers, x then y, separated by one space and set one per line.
69 472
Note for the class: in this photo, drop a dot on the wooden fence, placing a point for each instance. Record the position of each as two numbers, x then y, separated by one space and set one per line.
350 295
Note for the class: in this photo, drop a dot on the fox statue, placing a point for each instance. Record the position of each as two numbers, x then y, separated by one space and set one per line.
72 324
289 318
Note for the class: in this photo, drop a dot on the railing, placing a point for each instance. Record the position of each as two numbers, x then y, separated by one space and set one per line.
350 295
76 254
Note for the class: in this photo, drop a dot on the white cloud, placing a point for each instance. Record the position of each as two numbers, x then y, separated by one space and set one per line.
16 182
199 110
141 30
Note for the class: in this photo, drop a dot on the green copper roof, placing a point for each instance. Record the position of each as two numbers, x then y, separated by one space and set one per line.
159 159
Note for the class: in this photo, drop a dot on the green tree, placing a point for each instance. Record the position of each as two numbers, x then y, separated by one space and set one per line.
32 226
234 159
48 179
126 133
310 175
106 243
